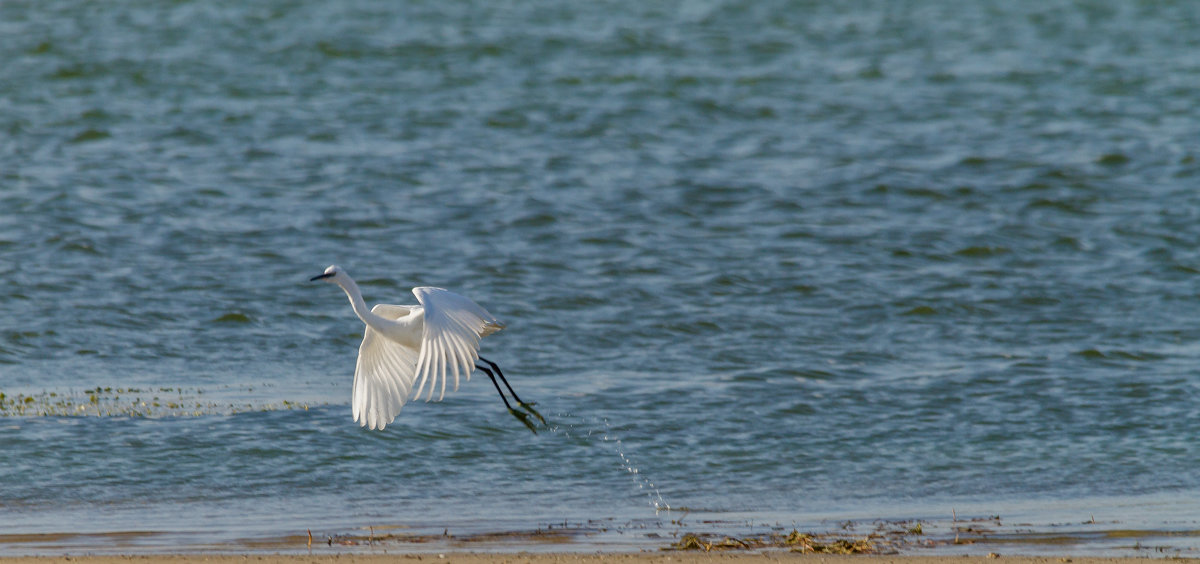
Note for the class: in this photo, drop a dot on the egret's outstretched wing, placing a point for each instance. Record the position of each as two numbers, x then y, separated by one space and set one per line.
384 374
453 327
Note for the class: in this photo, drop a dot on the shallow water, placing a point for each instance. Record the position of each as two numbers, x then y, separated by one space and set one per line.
794 263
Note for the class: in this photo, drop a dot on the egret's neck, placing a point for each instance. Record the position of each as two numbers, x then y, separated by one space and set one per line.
356 301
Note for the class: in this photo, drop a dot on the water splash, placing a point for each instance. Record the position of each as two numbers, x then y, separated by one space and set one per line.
612 443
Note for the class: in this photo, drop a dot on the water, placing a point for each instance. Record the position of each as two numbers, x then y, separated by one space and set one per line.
765 262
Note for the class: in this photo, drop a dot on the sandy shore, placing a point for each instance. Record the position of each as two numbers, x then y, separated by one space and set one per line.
565 558
982 541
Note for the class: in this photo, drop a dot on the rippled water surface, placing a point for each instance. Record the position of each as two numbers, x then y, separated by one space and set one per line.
774 261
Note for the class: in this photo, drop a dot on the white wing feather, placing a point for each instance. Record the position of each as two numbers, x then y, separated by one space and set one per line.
453 327
384 375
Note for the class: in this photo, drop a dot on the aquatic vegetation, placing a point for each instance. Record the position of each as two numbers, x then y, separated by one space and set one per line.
795 541
884 537
128 402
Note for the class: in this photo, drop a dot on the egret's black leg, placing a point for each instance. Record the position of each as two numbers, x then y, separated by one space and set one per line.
494 383
526 406
502 378
523 417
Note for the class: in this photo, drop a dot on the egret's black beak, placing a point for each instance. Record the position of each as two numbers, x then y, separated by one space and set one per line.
320 277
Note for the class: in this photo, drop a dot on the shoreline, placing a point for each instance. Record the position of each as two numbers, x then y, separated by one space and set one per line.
574 558
912 542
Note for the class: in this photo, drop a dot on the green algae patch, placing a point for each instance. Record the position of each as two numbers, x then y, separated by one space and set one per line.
233 318
982 251
90 135
1112 159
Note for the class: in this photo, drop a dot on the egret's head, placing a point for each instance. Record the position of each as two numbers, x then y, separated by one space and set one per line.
330 275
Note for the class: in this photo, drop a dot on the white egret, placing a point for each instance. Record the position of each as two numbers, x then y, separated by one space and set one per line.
433 340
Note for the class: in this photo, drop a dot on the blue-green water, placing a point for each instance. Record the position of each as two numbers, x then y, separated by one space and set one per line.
768 261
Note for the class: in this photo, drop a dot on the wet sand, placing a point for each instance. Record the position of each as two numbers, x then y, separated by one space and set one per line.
566 558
